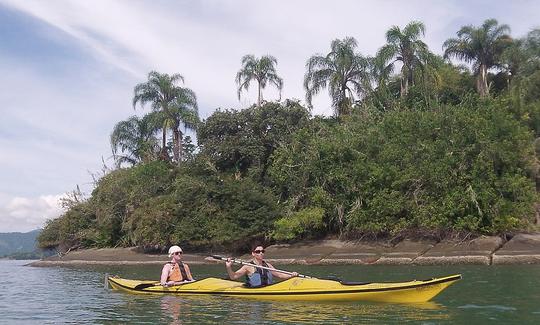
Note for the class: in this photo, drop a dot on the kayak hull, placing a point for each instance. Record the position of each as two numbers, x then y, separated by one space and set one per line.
305 289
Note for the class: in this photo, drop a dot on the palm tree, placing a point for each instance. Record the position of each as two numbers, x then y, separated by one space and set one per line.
380 92
183 111
482 46
521 63
262 70
406 47
135 138
163 93
342 71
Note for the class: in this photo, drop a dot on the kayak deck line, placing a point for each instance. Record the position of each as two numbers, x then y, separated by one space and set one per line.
299 289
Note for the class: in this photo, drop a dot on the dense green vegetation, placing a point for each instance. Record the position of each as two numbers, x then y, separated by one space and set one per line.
433 150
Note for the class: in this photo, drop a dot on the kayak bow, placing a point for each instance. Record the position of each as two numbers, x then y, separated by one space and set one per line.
308 289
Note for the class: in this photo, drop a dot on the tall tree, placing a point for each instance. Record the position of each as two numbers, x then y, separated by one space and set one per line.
163 93
342 70
482 46
262 70
406 47
133 140
521 63
183 111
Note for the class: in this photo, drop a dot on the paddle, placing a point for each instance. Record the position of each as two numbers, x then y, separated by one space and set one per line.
221 258
148 285
145 285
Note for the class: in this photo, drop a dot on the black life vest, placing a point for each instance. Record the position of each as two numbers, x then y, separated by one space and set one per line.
261 277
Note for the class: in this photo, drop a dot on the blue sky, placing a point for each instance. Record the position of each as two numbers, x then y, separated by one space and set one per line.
68 69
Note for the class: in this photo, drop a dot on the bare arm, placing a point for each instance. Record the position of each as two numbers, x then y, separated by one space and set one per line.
165 274
235 275
280 274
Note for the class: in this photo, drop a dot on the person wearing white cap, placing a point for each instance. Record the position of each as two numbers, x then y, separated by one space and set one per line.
175 272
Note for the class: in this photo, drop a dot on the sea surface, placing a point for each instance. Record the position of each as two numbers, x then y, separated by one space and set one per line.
78 295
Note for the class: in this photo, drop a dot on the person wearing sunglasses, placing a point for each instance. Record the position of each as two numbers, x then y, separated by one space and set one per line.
175 272
256 277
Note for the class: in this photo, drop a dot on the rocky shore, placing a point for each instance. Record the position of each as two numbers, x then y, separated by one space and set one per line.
521 249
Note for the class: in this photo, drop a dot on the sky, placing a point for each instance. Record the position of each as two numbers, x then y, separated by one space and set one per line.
68 69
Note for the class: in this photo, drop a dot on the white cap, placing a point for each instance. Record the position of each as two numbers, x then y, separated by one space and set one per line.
174 249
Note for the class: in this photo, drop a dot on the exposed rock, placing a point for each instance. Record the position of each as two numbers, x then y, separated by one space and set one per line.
302 253
521 249
356 253
476 251
405 252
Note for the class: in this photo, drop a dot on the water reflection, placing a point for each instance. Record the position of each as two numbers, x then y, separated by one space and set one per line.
338 313
218 309
172 308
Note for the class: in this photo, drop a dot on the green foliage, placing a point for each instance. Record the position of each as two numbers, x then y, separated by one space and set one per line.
236 141
456 168
73 229
121 191
221 210
133 141
158 204
299 224
151 223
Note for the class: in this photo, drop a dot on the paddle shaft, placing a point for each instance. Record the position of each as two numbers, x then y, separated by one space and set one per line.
217 257
148 285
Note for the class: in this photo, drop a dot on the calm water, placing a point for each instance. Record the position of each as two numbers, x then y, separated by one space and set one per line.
62 295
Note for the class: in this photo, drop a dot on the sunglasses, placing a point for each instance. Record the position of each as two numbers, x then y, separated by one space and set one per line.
178 253
258 251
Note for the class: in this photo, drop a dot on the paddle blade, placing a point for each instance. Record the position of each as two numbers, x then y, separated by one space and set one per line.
145 285
217 257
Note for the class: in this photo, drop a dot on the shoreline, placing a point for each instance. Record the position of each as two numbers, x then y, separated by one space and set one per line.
485 250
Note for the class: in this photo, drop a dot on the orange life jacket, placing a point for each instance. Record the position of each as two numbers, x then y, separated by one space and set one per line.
178 272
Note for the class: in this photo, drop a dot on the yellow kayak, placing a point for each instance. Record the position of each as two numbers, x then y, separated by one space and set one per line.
308 289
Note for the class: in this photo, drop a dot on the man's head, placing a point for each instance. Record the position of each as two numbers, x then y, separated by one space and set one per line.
175 251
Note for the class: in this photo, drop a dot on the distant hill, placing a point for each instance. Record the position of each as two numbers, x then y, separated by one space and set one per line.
17 243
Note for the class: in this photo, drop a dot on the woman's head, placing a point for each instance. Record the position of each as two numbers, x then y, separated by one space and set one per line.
257 251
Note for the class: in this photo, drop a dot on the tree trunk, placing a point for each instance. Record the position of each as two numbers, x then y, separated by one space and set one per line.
176 143
405 77
164 154
404 87
260 94
481 81
180 146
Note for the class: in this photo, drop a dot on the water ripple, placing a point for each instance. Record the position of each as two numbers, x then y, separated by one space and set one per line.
495 307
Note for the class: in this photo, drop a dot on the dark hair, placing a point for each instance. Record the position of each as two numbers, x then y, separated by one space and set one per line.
255 245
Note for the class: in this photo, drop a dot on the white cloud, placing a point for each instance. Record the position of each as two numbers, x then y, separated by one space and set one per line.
22 214
205 40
